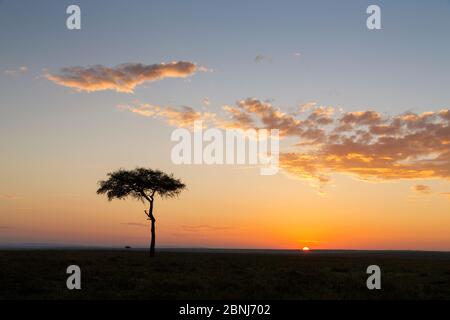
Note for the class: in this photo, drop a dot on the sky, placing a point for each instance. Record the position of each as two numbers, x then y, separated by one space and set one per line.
363 118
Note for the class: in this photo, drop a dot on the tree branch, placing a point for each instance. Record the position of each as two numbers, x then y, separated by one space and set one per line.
149 199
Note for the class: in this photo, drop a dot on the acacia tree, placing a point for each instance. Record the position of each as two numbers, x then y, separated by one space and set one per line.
142 184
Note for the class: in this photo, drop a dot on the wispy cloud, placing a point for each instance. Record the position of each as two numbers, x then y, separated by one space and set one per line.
16 72
446 194
261 58
122 78
178 117
204 227
4 227
206 101
9 197
422 189
135 224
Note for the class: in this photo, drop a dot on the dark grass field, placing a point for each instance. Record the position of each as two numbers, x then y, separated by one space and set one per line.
41 274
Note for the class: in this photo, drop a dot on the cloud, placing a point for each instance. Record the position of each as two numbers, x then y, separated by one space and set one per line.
422 189
426 190
362 143
6 227
204 227
365 144
9 197
177 117
206 101
135 224
122 78
16 72
259 58
238 118
259 114
361 118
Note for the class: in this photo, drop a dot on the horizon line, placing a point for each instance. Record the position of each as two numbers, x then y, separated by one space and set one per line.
48 246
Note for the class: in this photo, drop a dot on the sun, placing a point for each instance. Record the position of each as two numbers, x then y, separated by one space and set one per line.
305 249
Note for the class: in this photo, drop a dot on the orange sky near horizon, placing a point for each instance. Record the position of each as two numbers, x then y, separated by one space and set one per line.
229 213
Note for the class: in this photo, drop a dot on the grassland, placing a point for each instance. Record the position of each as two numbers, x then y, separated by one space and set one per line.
41 274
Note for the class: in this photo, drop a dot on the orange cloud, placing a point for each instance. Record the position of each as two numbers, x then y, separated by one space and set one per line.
258 114
205 227
8 197
361 118
122 78
422 189
364 143
182 117
239 119
136 224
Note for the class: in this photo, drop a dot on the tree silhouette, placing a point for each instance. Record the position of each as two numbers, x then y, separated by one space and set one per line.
142 184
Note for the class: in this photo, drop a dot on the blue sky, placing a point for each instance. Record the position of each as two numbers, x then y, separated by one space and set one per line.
404 66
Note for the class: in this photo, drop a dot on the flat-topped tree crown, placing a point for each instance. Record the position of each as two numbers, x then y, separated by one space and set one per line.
142 184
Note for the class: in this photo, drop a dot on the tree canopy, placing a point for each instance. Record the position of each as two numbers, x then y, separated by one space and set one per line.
140 183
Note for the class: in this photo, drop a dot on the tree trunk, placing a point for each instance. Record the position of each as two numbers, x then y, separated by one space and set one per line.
153 236
152 243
